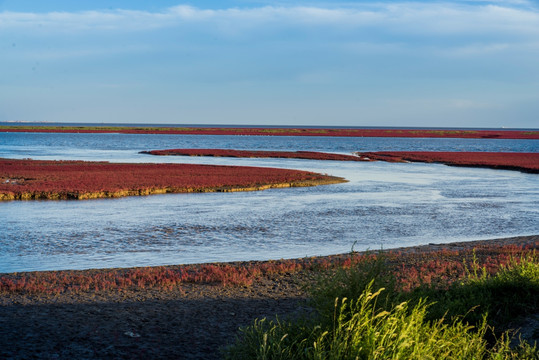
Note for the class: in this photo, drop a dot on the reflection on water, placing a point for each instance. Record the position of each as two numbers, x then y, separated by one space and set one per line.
383 205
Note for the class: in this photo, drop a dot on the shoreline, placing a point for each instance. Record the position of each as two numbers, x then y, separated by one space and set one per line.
523 162
253 154
191 321
80 180
276 131
519 240
516 241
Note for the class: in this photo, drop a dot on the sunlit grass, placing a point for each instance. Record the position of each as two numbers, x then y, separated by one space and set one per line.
365 312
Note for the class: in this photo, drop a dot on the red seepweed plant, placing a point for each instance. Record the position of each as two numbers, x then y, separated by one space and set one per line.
526 162
410 269
33 179
311 155
339 132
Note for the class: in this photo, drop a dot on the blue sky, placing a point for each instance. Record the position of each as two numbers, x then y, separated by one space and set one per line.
361 63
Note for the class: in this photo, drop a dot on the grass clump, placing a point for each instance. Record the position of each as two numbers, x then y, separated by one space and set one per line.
371 272
361 313
511 292
361 330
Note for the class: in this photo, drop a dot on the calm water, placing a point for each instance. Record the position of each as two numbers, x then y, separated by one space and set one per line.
383 205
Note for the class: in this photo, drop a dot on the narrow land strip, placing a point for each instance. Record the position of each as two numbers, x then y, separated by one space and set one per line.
61 180
261 131
525 162
307 155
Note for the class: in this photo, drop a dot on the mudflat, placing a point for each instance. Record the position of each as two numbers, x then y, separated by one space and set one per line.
190 321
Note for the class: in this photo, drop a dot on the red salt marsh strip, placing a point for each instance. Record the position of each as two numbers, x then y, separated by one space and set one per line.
31 179
410 268
525 162
311 155
413 133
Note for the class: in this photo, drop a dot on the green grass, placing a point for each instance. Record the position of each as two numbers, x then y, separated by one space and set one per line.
352 282
361 313
513 291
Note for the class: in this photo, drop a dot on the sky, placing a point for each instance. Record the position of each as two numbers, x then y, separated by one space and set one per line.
460 63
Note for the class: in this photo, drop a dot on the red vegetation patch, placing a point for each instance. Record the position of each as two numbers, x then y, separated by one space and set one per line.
422 133
30 179
526 162
411 269
311 155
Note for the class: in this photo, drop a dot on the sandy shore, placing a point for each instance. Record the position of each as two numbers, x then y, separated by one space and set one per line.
191 322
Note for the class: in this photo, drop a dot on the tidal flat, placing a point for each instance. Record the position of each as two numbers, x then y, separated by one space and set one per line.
129 300
124 314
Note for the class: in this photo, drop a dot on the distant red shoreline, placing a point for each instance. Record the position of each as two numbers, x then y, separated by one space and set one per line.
413 133
309 155
525 162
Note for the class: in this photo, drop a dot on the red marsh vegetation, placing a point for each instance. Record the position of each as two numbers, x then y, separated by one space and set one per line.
415 133
311 155
525 162
36 179
411 269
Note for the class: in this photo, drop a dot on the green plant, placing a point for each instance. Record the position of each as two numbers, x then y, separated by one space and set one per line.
371 270
511 292
353 322
361 330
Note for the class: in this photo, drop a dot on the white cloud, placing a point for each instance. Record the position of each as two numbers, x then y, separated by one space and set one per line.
406 17
525 3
